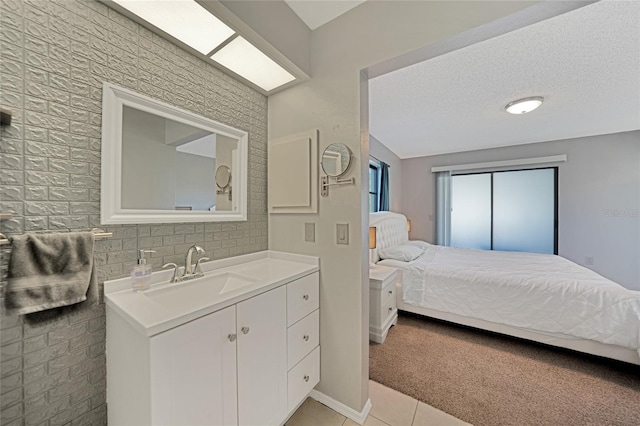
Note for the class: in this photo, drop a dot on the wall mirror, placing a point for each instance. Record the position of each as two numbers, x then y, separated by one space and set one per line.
163 164
336 159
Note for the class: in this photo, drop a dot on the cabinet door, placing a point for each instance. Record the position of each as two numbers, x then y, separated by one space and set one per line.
262 359
193 372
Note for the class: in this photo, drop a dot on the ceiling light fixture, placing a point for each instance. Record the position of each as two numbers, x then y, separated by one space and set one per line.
247 61
525 105
185 20
193 25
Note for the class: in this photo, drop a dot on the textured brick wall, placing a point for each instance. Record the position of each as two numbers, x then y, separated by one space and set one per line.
55 57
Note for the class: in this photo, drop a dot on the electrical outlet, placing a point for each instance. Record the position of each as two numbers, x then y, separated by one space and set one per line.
310 232
342 231
588 260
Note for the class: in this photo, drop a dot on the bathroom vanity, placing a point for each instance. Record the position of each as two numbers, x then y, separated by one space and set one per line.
239 346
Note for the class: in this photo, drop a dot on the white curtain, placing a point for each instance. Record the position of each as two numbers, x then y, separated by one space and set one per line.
443 208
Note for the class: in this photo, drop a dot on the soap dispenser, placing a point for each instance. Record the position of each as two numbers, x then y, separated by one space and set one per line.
141 274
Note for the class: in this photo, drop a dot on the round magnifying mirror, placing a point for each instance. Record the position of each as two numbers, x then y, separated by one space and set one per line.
336 159
223 176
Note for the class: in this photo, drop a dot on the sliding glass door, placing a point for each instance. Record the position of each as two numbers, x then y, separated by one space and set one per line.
471 211
510 211
524 211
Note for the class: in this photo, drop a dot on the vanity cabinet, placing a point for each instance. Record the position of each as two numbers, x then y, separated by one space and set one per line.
262 358
250 363
193 373
303 338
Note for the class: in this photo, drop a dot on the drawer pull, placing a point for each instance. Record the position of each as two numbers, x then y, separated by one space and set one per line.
231 337
305 297
306 378
245 330
306 337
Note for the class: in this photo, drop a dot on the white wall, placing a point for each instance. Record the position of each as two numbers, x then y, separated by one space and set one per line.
598 198
368 34
382 153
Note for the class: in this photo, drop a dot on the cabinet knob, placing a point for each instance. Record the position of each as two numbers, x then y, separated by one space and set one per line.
245 330
305 297
306 378
390 309
390 291
231 337
306 337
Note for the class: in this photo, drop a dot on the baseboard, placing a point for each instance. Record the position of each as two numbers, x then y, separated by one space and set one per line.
339 407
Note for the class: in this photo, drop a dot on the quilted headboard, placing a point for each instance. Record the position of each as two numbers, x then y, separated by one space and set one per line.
391 230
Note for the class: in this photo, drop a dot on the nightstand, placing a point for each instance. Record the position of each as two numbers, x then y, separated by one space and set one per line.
383 312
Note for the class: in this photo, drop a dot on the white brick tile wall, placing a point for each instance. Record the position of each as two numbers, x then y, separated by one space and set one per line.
55 56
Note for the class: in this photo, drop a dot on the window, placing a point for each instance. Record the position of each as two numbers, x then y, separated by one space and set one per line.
374 187
509 211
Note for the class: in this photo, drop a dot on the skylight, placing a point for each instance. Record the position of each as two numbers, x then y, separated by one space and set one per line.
185 20
246 60
196 27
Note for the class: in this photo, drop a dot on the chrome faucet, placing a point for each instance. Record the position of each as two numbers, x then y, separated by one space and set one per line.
188 272
187 260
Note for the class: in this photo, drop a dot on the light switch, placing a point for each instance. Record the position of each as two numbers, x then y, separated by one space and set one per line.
310 232
342 233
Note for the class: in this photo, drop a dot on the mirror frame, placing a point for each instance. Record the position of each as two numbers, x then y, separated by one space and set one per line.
348 164
114 98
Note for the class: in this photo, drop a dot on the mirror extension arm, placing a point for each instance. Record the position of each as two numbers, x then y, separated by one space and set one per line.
324 184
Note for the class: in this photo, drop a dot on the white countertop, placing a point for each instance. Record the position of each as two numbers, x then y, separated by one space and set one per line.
267 270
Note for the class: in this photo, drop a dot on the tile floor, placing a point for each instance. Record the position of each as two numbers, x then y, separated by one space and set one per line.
389 408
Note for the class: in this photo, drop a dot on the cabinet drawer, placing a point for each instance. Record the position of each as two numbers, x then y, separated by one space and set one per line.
389 294
303 377
387 309
302 297
302 337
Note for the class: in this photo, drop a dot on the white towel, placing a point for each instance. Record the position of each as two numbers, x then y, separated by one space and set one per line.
50 270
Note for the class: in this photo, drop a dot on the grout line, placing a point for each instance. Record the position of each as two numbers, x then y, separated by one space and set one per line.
413 420
380 420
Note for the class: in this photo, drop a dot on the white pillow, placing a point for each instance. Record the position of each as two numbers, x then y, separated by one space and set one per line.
417 243
402 252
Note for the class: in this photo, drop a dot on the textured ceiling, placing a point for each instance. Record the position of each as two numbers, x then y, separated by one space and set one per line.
585 63
316 13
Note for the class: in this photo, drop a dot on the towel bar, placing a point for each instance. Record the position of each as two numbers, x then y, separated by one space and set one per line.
99 234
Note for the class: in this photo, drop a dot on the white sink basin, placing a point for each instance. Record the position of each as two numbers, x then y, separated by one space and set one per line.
199 292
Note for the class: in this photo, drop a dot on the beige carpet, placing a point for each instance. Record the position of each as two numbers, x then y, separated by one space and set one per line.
487 379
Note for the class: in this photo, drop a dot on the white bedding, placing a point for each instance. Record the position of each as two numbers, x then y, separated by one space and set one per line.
539 292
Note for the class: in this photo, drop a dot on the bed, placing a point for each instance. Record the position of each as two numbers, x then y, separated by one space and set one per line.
543 298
